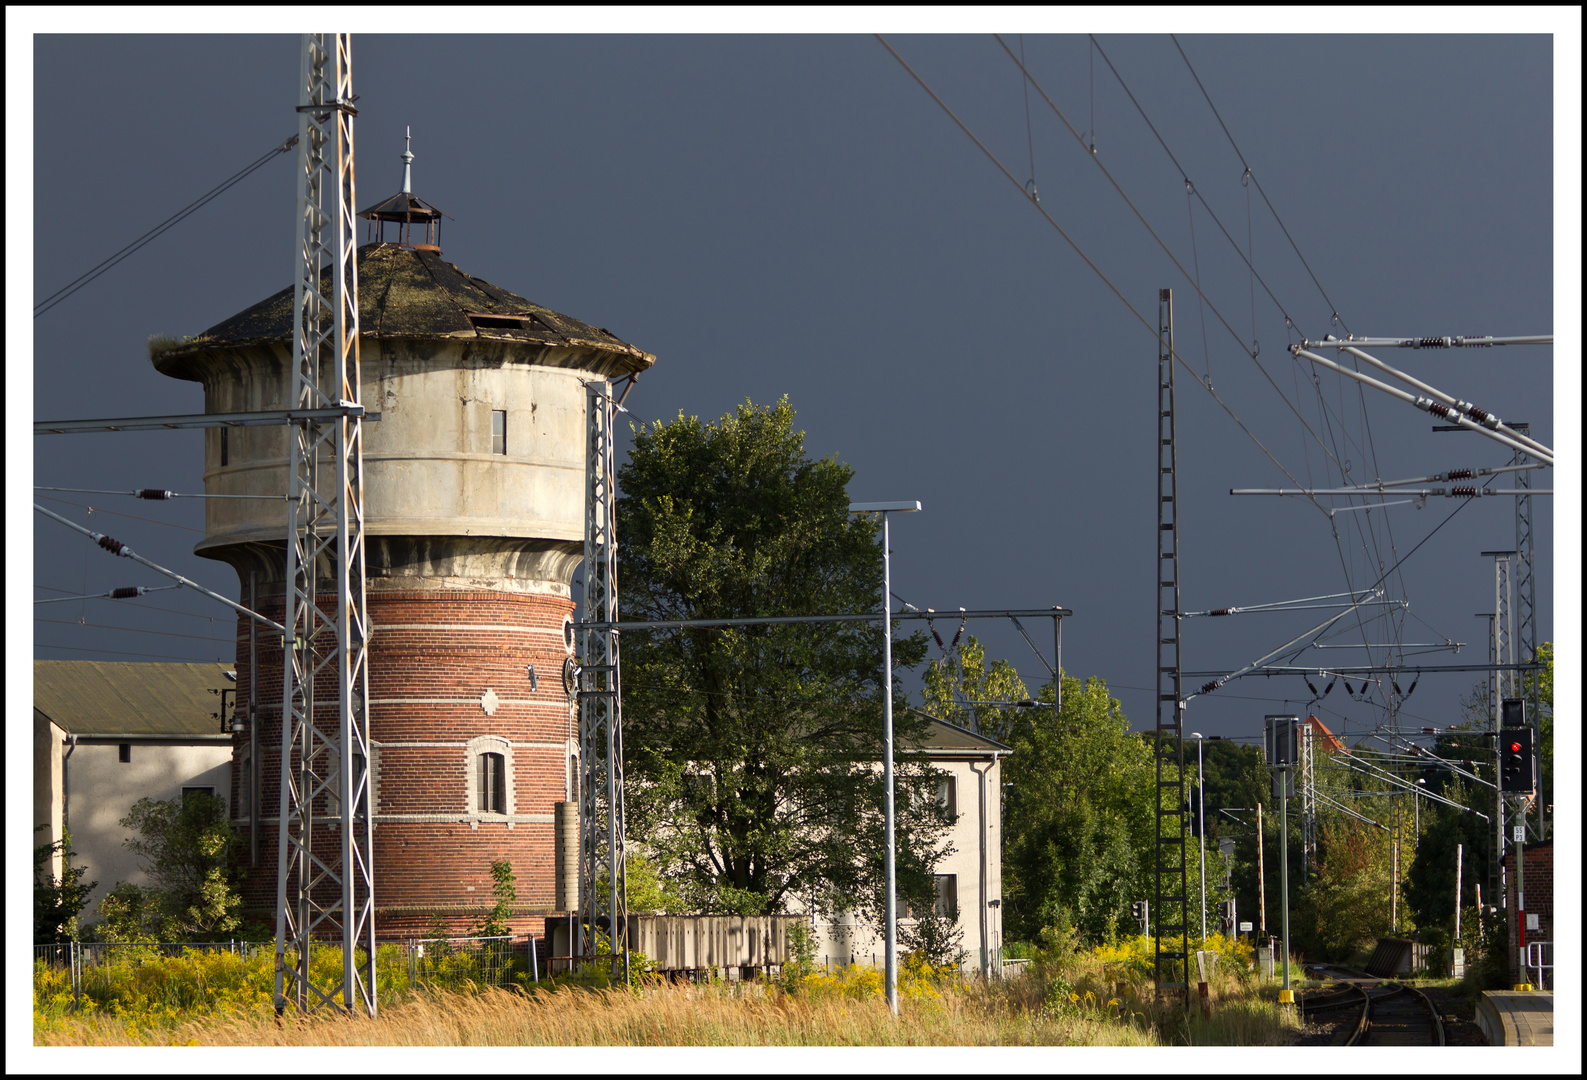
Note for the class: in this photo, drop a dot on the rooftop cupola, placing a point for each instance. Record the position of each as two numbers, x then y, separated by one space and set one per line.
404 209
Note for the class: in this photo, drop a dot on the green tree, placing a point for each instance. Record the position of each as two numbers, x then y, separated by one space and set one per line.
57 901
189 851
646 891
1343 908
753 751
1430 880
1077 815
956 687
504 886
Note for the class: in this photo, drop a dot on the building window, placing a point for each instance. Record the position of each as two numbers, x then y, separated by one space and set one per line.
946 901
225 446
125 750
490 788
947 894
197 791
498 431
939 792
492 783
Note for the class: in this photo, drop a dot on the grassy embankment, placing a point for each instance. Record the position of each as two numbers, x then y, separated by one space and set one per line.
1092 999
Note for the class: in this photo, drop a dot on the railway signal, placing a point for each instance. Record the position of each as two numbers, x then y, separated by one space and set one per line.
1516 773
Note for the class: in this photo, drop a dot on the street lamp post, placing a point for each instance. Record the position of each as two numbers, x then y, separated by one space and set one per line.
1201 828
891 949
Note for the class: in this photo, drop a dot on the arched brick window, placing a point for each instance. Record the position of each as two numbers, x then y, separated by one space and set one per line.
490 790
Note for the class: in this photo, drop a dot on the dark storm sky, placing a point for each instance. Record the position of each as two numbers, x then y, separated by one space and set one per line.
794 215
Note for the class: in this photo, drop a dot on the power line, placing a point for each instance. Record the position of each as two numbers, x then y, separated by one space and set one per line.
133 629
1258 183
1250 351
145 607
117 513
1366 532
83 279
1094 268
124 652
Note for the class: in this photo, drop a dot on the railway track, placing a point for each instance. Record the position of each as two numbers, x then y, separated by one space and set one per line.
1358 1010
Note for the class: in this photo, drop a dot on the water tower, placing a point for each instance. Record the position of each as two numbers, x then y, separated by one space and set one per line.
474 507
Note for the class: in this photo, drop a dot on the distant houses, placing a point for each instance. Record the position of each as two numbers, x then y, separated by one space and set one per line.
108 734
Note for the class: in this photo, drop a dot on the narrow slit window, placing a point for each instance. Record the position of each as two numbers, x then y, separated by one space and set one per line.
225 446
498 431
492 783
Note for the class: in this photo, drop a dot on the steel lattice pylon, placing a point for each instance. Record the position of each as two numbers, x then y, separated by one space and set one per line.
1169 747
1504 627
1525 589
602 925
1308 797
325 890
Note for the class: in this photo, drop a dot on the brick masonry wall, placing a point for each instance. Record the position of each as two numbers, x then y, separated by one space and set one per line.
1539 894
445 667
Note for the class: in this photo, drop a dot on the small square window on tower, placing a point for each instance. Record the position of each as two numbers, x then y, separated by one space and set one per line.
498 431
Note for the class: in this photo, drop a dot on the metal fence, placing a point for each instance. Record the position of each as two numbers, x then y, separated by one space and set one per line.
411 963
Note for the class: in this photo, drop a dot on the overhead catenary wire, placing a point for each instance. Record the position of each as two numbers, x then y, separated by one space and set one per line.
142 607
152 494
126 593
1087 259
1249 350
1245 256
118 513
1323 292
1253 349
88 276
1008 175
126 652
134 629
116 547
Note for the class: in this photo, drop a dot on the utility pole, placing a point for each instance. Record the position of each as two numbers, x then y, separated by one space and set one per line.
1170 872
603 915
1261 877
1281 736
325 887
1501 651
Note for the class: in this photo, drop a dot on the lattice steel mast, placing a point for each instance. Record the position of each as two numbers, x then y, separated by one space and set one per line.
1170 872
603 915
325 889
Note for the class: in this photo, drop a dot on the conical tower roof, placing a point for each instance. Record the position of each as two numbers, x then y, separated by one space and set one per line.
406 292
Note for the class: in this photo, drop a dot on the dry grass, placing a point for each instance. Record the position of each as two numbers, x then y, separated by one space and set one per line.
971 1015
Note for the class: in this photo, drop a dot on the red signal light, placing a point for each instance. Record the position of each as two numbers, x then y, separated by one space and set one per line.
1515 748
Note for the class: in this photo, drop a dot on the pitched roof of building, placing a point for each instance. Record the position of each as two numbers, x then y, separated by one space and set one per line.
951 740
405 292
101 697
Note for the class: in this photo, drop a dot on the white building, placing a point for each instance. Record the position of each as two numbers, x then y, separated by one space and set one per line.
108 734
971 877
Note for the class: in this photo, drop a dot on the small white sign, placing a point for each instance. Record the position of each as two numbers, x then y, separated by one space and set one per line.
1520 834
1245 928
1531 921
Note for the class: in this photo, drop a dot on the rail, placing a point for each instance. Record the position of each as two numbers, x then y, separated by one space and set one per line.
1534 962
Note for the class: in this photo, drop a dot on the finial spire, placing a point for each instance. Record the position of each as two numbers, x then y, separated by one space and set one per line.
407 163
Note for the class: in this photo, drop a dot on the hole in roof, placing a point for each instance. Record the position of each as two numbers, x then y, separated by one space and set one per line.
501 322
